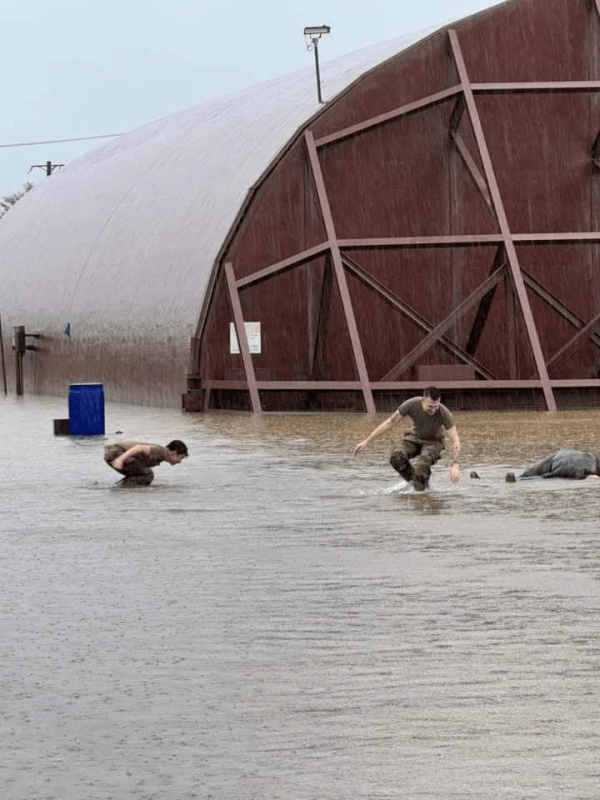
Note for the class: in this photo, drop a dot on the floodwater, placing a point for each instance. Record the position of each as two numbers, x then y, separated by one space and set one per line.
275 620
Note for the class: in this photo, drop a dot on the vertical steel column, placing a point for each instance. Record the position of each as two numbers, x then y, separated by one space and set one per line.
340 274
238 321
594 103
511 253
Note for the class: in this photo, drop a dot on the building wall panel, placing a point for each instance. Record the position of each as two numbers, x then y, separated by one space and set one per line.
528 41
541 159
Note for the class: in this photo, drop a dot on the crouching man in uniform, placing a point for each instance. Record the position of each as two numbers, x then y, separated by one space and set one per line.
134 460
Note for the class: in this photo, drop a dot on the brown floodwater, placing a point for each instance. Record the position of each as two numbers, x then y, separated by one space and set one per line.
275 619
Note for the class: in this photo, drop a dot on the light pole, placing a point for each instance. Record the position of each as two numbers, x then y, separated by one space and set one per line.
48 166
313 34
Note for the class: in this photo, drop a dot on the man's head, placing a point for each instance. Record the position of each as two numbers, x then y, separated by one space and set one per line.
431 400
176 452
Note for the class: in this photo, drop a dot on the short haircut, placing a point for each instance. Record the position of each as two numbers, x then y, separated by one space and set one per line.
179 447
432 392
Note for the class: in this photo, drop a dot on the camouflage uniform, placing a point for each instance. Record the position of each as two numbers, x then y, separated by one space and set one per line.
425 442
137 471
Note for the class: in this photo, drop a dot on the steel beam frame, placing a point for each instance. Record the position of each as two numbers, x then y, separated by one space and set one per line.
340 275
240 329
577 340
295 386
410 313
509 246
506 263
557 305
409 359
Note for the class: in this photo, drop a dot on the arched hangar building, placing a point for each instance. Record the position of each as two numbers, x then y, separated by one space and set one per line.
436 220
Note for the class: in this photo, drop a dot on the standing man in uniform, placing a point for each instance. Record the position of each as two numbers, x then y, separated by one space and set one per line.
134 460
425 442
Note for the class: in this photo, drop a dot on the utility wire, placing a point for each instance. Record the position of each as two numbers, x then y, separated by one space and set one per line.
60 141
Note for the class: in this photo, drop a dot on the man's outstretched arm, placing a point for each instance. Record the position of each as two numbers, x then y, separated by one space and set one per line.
377 432
454 473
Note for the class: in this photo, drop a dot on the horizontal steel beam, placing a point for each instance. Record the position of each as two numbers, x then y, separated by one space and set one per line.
576 237
294 386
439 97
423 241
470 240
538 86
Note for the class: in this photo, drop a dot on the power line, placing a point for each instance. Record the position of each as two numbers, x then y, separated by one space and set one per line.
61 141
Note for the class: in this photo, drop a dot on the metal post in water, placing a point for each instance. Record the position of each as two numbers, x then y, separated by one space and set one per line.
19 352
3 358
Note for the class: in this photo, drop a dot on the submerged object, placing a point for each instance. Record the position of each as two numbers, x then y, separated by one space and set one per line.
565 463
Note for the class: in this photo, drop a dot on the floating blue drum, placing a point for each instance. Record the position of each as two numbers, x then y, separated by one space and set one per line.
86 409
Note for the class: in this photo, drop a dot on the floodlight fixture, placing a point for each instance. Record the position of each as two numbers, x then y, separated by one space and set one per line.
317 30
314 33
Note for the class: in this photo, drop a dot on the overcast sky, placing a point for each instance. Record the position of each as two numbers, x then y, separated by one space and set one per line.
79 68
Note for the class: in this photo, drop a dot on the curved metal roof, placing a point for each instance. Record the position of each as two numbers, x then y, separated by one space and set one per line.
125 237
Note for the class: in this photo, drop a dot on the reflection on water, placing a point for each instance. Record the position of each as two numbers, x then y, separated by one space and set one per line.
492 444
485 435
275 618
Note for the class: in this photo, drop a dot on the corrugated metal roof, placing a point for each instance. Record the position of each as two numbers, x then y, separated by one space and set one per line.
135 224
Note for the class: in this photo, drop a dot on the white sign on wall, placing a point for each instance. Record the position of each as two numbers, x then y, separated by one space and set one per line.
252 335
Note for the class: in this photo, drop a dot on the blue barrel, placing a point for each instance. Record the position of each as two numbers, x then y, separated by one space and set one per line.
86 409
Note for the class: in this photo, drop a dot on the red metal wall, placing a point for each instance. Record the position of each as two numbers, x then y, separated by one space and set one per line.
406 178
